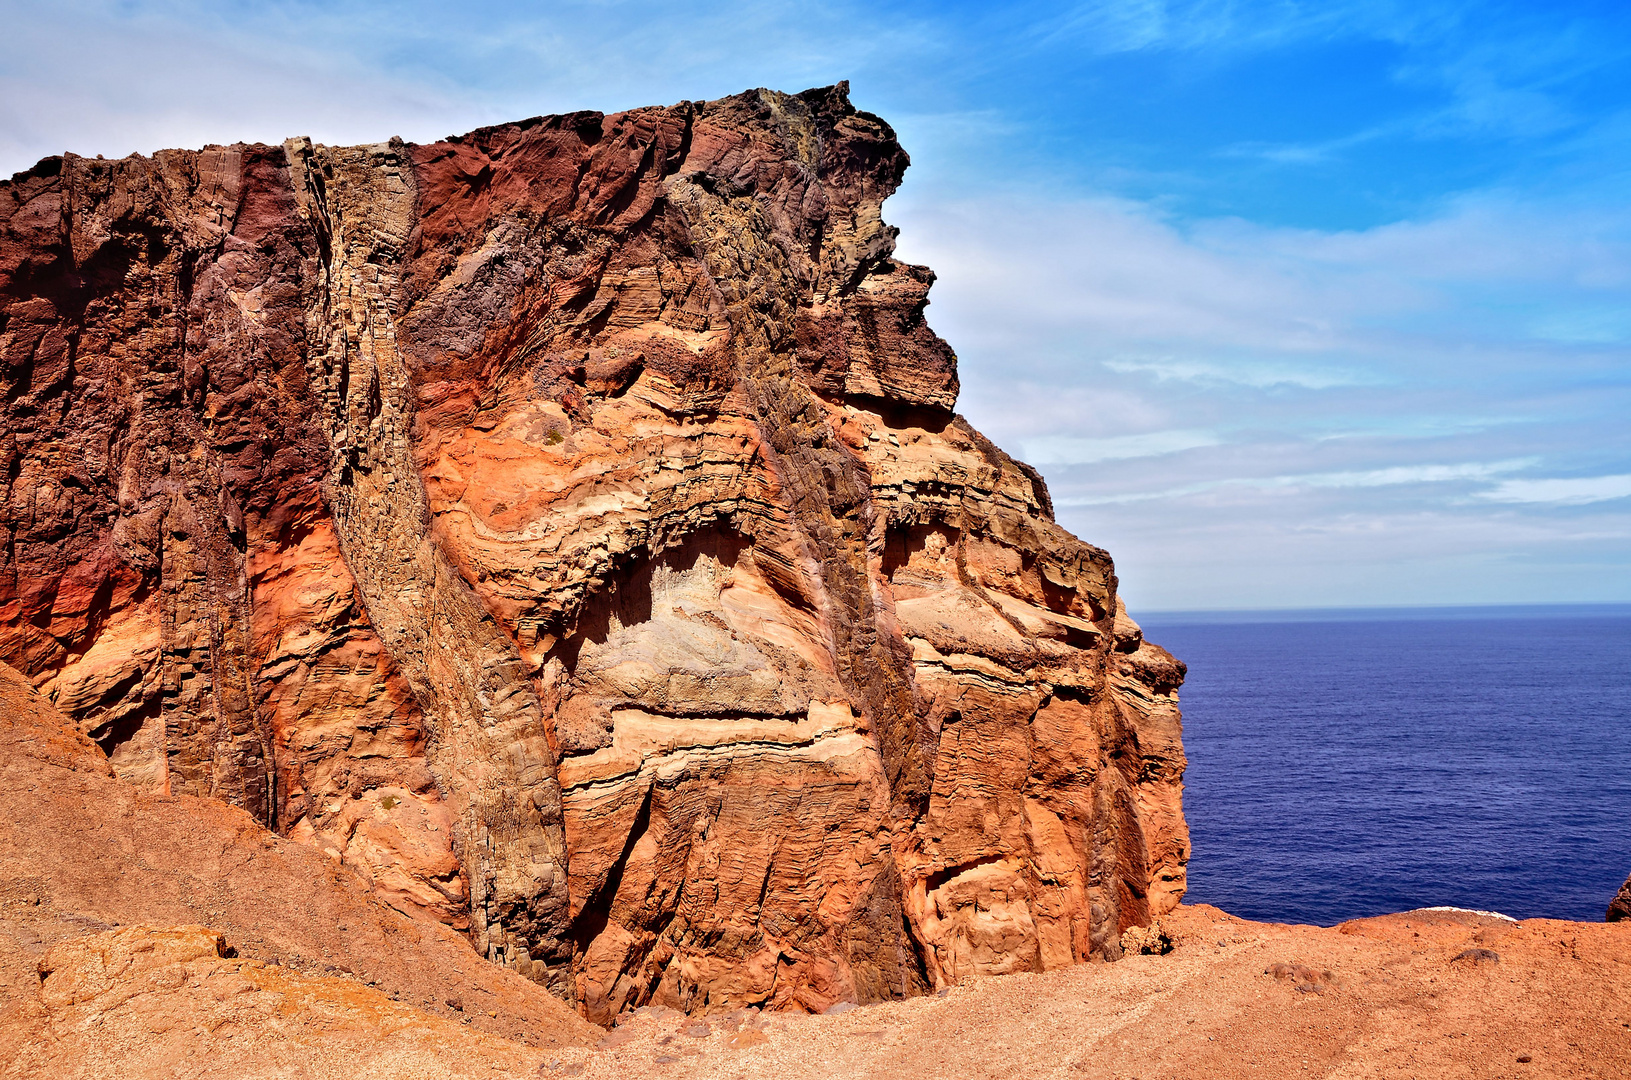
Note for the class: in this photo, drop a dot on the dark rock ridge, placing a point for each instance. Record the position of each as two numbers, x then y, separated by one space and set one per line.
566 528
1620 907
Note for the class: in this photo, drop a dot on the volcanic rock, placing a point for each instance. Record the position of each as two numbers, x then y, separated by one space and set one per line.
564 530
1620 907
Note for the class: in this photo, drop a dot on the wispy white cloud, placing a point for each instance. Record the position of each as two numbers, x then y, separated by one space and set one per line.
123 76
1113 26
1507 76
1355 383
1502 70
1320 152
1404 474
150 76
1493 294
1114 277
1570 491
1359 478
1394 428
1117 26
1260 374
1064 450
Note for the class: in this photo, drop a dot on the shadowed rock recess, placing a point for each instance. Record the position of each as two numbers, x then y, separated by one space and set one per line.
566 528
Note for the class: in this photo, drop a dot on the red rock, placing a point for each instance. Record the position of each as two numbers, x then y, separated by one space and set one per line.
1620 907
565 527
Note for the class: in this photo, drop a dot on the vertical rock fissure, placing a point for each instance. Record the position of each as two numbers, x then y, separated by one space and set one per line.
828 489
487 747
829 493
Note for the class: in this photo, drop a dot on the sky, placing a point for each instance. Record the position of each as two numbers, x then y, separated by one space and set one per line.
1293 304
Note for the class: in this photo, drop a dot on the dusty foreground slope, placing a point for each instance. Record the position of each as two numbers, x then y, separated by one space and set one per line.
145 936
94 874
1383 997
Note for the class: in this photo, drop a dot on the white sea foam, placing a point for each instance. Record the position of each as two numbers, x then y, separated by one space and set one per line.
1471 911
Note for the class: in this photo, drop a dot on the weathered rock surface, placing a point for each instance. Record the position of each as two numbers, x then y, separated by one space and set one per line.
1620 907
566 528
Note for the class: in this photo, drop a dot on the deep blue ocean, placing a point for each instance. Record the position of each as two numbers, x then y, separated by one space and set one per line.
1344 764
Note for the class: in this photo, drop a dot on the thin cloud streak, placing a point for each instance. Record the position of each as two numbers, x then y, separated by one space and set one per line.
1366 478
1062 450
1564 491
1257 374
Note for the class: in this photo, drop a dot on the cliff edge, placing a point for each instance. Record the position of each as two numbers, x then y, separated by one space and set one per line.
566 528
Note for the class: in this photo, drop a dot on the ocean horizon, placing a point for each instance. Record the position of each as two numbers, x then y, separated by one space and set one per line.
1357 761
1432 612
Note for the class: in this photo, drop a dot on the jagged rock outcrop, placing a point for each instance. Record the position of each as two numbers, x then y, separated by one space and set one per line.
566 527
1620 907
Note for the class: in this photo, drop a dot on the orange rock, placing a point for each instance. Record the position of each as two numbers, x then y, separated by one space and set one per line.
566 529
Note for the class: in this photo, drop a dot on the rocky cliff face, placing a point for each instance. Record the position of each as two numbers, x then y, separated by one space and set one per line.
566 527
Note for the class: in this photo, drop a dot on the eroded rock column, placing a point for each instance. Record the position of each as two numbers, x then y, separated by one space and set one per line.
487 743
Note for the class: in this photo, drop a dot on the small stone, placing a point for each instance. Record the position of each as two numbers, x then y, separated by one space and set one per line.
1524 1059
747 1037
1476 956
697 1029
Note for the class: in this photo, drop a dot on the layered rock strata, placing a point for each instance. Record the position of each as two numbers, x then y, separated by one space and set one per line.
566 527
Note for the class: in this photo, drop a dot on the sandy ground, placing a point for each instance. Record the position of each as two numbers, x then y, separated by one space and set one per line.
1423 994
1397 996
173 938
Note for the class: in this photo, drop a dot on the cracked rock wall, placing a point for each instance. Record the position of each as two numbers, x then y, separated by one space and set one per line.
566 526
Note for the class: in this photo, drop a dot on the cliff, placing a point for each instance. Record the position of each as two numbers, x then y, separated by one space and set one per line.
107 970
566 528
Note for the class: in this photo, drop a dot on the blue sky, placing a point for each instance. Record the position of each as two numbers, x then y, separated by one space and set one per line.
1293 304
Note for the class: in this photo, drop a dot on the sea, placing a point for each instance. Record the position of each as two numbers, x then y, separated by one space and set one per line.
1347 763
